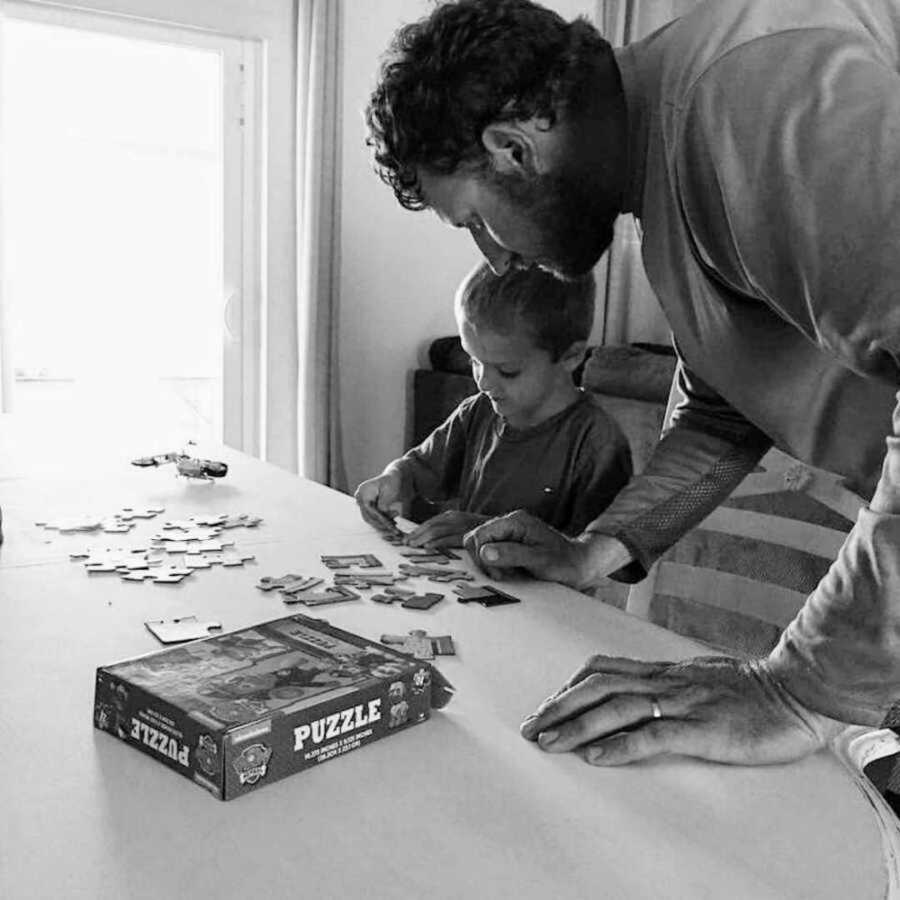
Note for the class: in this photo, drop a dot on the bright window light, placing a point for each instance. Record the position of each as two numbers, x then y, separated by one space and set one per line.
112 229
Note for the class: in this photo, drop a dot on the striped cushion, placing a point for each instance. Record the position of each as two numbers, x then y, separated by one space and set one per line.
738 578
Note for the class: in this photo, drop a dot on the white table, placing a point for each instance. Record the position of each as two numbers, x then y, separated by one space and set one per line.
460 806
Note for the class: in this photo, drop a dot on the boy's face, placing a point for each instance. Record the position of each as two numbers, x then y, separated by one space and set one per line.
520 379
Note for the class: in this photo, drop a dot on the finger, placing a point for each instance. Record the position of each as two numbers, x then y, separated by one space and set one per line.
617 713
376 517
508 555
365 510
414 537
437 527
655 738
452 538
470 543
614 665
573 701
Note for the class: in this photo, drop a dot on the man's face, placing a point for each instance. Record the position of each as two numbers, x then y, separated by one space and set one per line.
546 220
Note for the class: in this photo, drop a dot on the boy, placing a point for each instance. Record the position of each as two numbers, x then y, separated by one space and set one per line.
530 439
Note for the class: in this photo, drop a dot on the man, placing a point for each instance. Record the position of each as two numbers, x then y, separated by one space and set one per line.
758 144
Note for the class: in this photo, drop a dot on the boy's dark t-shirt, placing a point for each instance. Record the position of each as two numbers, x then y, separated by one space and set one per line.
565 470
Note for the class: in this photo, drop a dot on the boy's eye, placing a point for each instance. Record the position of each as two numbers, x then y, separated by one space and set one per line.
507 373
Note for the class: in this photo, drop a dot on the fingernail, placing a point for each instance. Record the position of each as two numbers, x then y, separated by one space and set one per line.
490 554
593 754
545 738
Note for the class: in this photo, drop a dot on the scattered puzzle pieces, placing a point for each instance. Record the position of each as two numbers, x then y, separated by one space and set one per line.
119 522
336 594
364 581
409 599
420 644
433 573
363 560
484 594
421 601
176 631
288 584
436 555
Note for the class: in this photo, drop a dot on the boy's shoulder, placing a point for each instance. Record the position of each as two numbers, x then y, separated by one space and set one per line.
590 412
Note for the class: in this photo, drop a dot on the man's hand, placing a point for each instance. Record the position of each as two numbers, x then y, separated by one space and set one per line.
445 529
379 499
520 541
714 708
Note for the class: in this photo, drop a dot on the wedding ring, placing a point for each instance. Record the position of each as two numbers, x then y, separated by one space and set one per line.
654 708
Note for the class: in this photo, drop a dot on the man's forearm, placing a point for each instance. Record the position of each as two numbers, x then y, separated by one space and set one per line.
689 474
841 654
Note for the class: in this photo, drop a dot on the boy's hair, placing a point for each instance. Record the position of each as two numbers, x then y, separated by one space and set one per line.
556 313
468 64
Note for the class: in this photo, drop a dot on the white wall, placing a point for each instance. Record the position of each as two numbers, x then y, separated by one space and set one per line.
399 269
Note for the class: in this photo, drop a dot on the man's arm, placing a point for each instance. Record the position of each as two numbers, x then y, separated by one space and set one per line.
841 654
838 661
704 453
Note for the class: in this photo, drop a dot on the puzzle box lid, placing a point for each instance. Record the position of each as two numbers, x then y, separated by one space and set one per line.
274 668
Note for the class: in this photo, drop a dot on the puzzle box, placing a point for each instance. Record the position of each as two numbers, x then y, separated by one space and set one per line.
238 710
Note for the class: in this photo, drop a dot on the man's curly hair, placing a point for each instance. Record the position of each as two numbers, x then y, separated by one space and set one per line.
469 63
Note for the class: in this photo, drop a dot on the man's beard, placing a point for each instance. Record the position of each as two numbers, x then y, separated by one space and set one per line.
575 223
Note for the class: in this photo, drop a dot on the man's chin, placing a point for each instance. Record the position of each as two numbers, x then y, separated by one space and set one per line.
576 267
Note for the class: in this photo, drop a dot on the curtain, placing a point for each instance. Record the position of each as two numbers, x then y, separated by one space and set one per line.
6 369
627 310
318 224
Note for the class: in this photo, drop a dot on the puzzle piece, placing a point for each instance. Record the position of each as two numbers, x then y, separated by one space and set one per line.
116 526
385 598
187 628
439 555
484 594
415 569
127 513
288 584
159 575
394 591
234 558
420 644
242 520
366 580
421 601
69 524
336 594
363 560
188 534
451 575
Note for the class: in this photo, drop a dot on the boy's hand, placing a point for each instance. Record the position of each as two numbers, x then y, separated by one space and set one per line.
521 541
378 499
445 529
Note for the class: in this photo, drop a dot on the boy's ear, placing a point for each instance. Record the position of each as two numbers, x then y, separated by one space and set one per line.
517 147
572 357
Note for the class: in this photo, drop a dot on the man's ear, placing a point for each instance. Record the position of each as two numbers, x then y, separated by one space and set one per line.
516 146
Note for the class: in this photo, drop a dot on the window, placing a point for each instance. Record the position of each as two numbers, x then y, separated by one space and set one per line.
129 232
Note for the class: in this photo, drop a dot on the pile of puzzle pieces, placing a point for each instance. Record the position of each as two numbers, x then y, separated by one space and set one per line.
198 538
119 522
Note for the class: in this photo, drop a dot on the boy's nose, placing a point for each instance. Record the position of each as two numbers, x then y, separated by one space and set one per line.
497 257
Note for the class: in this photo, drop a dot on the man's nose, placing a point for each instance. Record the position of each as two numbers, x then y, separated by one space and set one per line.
498 258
